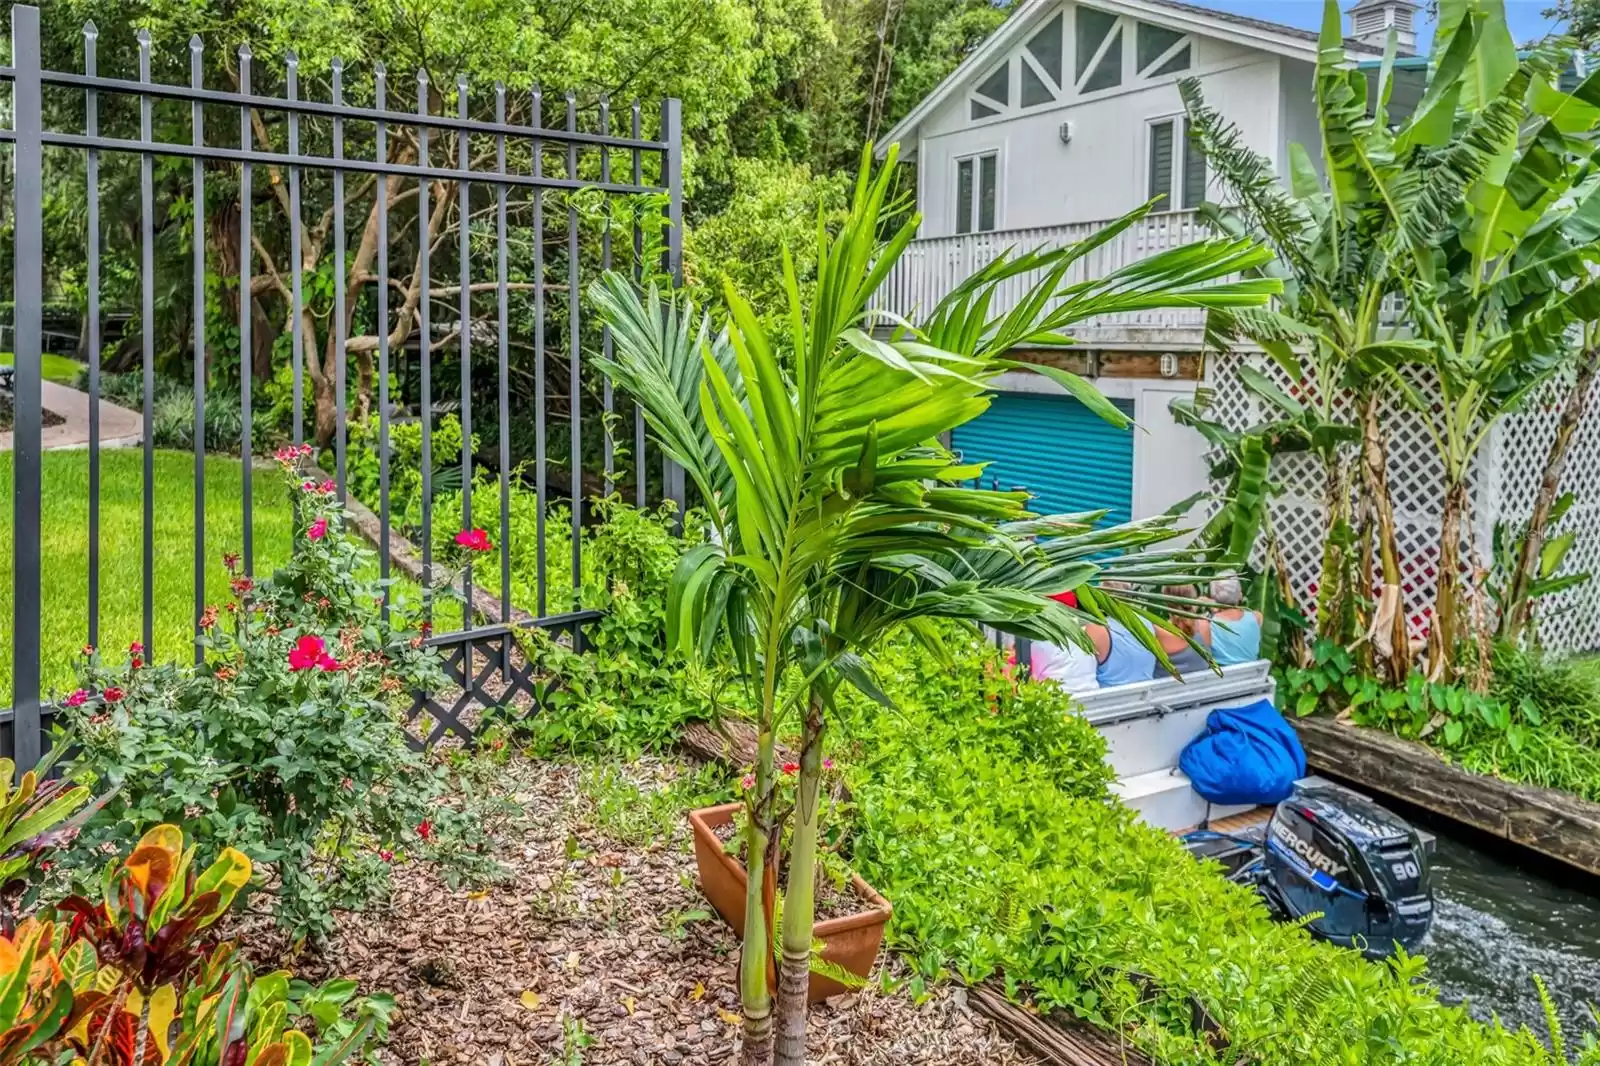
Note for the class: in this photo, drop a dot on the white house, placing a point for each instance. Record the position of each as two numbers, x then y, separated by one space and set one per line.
1067 117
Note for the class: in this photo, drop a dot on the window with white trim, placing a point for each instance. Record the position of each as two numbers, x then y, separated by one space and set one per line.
1175 168
977 178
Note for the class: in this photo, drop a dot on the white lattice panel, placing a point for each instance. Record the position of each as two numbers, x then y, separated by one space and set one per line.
1416 480
1570 621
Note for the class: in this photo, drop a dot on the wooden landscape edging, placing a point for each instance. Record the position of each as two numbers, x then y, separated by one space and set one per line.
1056 1042
1555 824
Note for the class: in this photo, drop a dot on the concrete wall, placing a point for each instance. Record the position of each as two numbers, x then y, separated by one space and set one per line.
1102 173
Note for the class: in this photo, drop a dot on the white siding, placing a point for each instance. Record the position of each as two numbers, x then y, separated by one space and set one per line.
1101 173
1298 105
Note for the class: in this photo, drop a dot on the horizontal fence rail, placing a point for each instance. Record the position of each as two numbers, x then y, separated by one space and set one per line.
464 228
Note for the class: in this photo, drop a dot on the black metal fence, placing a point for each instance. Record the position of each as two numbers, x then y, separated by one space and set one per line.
506 180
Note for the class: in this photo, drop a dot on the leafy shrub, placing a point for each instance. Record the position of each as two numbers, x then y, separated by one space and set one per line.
405 470
623 694
172 406
285 741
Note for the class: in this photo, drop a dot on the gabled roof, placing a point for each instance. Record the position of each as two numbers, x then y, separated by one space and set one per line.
1272 37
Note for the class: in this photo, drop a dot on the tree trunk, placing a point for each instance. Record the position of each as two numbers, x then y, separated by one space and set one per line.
1519 605
1388 633
755 955
799 901
1445 632
1333 585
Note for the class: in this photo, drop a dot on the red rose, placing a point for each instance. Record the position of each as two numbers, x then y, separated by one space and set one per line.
791 767
136 663
386 855
309 652
112 694
136 648
474 540
425 830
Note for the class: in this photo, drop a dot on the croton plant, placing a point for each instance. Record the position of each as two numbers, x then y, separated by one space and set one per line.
137 978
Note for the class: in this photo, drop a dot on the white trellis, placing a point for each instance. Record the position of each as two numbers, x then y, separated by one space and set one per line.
1503 486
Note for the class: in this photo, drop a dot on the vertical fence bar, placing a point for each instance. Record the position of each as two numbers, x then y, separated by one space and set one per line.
197 235
673 485
147 322
91 125
539 389
574 416
296 254
464 345
26 487
340 323
425 353
503 306
247 359
607 401
639 488
380 79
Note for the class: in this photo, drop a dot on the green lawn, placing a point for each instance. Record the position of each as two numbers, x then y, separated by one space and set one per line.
61 368
65 566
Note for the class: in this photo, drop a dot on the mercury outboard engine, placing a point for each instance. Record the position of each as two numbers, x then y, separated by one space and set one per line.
1331 852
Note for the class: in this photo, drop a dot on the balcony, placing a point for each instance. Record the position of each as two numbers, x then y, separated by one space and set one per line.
930 268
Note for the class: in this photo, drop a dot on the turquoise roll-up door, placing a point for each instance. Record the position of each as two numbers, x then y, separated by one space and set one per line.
1057 449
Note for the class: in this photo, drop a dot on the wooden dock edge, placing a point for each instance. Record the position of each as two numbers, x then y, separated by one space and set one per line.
1555 824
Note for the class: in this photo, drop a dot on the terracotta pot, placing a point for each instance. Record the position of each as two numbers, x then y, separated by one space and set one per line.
850 941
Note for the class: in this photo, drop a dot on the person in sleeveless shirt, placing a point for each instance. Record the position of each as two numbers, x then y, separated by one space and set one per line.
1233 632
1119 656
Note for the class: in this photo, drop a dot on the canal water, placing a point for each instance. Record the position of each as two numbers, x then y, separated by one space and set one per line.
1497 924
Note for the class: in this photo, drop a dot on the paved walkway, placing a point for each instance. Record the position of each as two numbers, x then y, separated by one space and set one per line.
119 427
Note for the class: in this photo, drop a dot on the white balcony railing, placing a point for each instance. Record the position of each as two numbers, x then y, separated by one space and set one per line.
930 268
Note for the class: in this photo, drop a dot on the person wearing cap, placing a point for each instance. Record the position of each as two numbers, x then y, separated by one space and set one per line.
1073 668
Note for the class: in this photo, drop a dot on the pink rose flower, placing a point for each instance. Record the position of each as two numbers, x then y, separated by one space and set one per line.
474 540
78 698
318 530
309 652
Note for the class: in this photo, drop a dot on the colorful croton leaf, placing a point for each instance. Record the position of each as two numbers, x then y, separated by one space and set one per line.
155 907
36 1000
31 817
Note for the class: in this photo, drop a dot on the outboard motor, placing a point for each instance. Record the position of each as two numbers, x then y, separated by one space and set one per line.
1330 852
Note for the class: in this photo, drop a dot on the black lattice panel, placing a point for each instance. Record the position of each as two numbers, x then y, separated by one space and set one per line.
486 669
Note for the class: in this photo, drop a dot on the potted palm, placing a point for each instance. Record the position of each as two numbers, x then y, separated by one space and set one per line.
836 515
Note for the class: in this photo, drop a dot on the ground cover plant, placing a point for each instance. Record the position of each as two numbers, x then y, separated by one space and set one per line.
980 811
1524 718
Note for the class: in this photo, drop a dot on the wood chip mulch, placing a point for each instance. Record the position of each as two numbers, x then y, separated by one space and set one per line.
589 953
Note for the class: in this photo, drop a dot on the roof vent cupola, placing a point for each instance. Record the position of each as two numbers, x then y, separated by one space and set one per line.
1371 21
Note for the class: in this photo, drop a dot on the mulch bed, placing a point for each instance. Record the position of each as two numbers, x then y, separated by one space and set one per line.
8 415
595 933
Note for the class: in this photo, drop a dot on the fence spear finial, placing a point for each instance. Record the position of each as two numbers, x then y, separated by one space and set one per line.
90 30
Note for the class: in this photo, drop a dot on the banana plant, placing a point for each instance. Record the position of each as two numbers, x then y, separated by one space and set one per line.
837 516
1508 291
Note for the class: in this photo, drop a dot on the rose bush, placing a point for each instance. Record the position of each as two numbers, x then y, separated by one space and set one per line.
286 740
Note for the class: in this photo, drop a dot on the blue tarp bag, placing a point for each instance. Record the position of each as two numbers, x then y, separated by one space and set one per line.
1246 755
